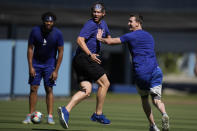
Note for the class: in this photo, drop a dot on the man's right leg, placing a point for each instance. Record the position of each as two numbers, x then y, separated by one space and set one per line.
33 98
32 103
161 107
63 112
147 109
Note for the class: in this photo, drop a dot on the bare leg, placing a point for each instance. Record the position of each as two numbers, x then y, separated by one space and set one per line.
49 99
147 109
103 83
86 89
33 98
160 105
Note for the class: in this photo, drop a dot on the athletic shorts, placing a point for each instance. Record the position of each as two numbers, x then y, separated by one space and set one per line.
154 83
44 73
86 68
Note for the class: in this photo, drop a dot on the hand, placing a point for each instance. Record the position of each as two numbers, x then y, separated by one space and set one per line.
99 34
54 76
94 58
195 70
32 72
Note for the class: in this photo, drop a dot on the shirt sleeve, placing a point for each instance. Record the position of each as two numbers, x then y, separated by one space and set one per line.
31 39
107 31
60 39
87 30
125 38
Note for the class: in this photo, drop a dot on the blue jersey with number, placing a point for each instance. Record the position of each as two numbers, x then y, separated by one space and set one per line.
45 49
141 47
89 32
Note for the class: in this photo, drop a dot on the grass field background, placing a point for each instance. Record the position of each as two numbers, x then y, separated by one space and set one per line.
124 111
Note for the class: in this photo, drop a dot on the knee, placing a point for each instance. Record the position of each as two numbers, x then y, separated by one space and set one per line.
156 102
49 90
88 93
87 89
103 82
85 93
106 84
33 89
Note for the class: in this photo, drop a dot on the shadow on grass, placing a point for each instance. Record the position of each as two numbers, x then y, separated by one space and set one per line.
33 129
11 121
55 130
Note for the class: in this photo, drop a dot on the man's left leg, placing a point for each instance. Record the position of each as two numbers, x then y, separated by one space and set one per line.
48 84
103 83
155 92
161 107
49 102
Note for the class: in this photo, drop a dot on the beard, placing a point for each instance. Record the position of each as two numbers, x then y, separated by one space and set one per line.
45 31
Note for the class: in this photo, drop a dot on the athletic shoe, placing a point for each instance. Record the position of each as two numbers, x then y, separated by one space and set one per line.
50 120
63 116
165 122
27 120
100 118
154 128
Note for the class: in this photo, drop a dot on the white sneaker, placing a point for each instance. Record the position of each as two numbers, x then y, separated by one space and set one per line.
165 123
50 120
154 128
27 120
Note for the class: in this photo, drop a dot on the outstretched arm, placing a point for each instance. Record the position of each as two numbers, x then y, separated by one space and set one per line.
107 40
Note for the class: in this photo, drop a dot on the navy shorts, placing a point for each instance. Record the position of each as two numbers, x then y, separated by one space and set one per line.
147 81
45 73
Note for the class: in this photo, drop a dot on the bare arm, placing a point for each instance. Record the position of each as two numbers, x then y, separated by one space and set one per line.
30 58
59 58
110 41
107 40
83 46
54 75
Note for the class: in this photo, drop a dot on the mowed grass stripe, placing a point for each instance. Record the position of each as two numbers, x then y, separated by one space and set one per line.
124 111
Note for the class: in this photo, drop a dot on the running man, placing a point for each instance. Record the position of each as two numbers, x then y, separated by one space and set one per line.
45 42
88 67
148 75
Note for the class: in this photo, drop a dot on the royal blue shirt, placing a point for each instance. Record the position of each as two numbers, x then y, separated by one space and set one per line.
141 47
89 32
45 49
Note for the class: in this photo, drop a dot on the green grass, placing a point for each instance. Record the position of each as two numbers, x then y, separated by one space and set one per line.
123 110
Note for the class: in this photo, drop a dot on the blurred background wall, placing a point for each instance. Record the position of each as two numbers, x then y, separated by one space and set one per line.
173 23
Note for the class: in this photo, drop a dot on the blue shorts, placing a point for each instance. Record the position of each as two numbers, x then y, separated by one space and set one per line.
147 81
45 73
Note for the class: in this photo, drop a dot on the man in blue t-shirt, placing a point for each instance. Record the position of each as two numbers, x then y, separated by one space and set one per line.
147 74
45 42
87 64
